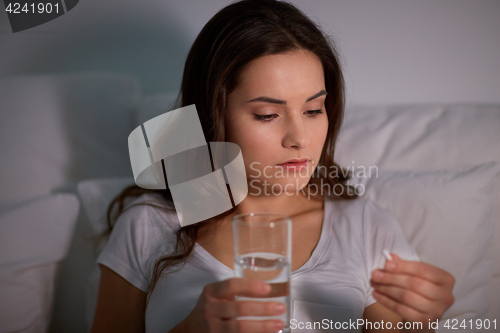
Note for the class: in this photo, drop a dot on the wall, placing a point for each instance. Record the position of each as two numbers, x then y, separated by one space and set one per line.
393 51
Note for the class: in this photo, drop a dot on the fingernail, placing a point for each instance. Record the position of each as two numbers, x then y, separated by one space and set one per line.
390 265
387 255
265 287
278 325
377 275
279 307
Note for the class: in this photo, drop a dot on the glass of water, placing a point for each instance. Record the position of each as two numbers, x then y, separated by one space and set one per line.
263 250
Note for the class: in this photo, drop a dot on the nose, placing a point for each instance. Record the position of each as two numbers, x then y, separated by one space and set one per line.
296 134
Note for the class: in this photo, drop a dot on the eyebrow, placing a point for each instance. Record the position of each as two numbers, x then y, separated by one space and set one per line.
278 101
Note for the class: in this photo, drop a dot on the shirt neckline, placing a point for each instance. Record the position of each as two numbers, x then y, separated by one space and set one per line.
307 266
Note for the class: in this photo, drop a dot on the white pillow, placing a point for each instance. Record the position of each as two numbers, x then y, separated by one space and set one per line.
58 129
96 195
34 236
447 216
426 137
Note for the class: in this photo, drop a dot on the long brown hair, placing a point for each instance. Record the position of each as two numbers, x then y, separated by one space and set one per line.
236 35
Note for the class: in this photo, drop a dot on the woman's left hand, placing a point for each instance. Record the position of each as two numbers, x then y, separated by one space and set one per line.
416 291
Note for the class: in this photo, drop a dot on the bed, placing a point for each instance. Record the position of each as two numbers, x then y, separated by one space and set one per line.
64 155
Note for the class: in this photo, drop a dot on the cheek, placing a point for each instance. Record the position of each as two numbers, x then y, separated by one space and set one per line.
323 133
257 145
318 134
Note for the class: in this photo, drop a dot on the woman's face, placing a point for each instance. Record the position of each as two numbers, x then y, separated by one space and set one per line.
276 114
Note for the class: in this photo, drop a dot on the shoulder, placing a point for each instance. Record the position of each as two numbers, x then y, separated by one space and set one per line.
361 210
141 235
370 226
361 215
146 220
152 210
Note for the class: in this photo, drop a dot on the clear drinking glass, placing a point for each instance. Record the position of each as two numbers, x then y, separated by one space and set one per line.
263 250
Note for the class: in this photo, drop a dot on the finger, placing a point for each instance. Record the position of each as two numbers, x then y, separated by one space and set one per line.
229 288
410 299
395 256
420 269
233 309
251 326
404 311
418 285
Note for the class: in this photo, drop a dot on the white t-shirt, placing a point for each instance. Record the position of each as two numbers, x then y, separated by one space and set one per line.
333 284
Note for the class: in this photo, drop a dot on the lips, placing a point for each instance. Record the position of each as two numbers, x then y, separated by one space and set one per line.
295 160
295 164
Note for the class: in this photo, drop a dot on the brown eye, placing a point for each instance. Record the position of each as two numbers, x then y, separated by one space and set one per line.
265 117
314 113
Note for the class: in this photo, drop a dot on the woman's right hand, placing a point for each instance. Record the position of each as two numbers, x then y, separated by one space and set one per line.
217 309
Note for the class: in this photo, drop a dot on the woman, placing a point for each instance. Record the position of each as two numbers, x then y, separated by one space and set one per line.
263 76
